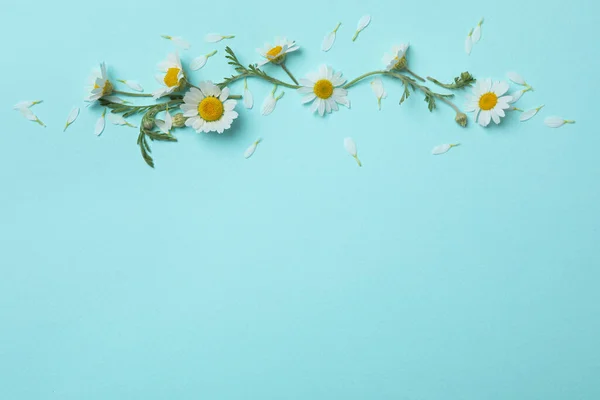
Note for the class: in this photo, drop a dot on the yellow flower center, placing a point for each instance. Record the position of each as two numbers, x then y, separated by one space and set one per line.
106 90
488 101
274 52
211 109
171 77
323 89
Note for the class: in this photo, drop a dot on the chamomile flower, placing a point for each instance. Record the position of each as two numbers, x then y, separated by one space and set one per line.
323 89
277 52
99 85
488 101
396 60
172 77
208 109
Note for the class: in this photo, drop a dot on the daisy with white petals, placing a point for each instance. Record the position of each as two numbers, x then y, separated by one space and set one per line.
488 101
99 85
330 38
276 53
323 89
557 122
378 89
396 60
208 108
172 77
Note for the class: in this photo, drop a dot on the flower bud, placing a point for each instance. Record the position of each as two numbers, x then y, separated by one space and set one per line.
461 119
148 124
179 120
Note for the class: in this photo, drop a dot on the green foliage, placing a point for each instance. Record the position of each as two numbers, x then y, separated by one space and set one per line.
464 80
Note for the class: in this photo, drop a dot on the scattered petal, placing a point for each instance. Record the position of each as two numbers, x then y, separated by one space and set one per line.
200 62
72 117
178 41
477 32
378 89
270 102
26 104
469 43
330 38
362 24
117 119
248 98
27 113
516 96
166 125
516 78
530 114
115 99
443 148
350 147
133 85
214 37
557 122
250 150
100 124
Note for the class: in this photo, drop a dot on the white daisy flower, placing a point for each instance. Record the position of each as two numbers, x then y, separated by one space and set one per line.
26 104
133 85
379 90
276 53
215 37
330 39
248 98
98 84
200 62
323 89
178 41
208 109
557 122
488 101
172 78
362 24
396 59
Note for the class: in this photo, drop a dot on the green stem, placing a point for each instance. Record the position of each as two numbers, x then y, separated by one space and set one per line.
249 74
287 71
132 94
415 75
363 76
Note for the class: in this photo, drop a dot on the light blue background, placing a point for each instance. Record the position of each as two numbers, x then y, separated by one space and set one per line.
295 274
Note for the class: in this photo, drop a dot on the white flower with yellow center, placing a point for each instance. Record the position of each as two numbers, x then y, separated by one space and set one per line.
207 108
323 89
99 85
488 101
172 76
396 59
276 53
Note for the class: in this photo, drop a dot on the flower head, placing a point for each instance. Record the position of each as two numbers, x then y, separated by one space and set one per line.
396 60
99 85
208 109
323 89
276 53
488 101
172 77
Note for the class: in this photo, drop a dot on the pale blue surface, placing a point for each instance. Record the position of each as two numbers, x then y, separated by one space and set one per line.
295 274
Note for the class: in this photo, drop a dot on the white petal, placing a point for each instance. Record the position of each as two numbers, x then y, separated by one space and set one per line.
529 114
198 63
116 119
484 118
114 99
476 34
213 38
516 95
72 117
250 150
100 124
161 125
25 104
377 86
495 117
168 122
268 105
328 41
134 86
308 98
442 148
27 113
180 42
224 94
468 44
362 24
321 107
556 122
248 99
350 146
516 78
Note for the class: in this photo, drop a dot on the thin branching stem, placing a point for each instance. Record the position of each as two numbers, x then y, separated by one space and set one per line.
132 94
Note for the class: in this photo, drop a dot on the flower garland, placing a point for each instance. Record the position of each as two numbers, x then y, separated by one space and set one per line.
209 107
